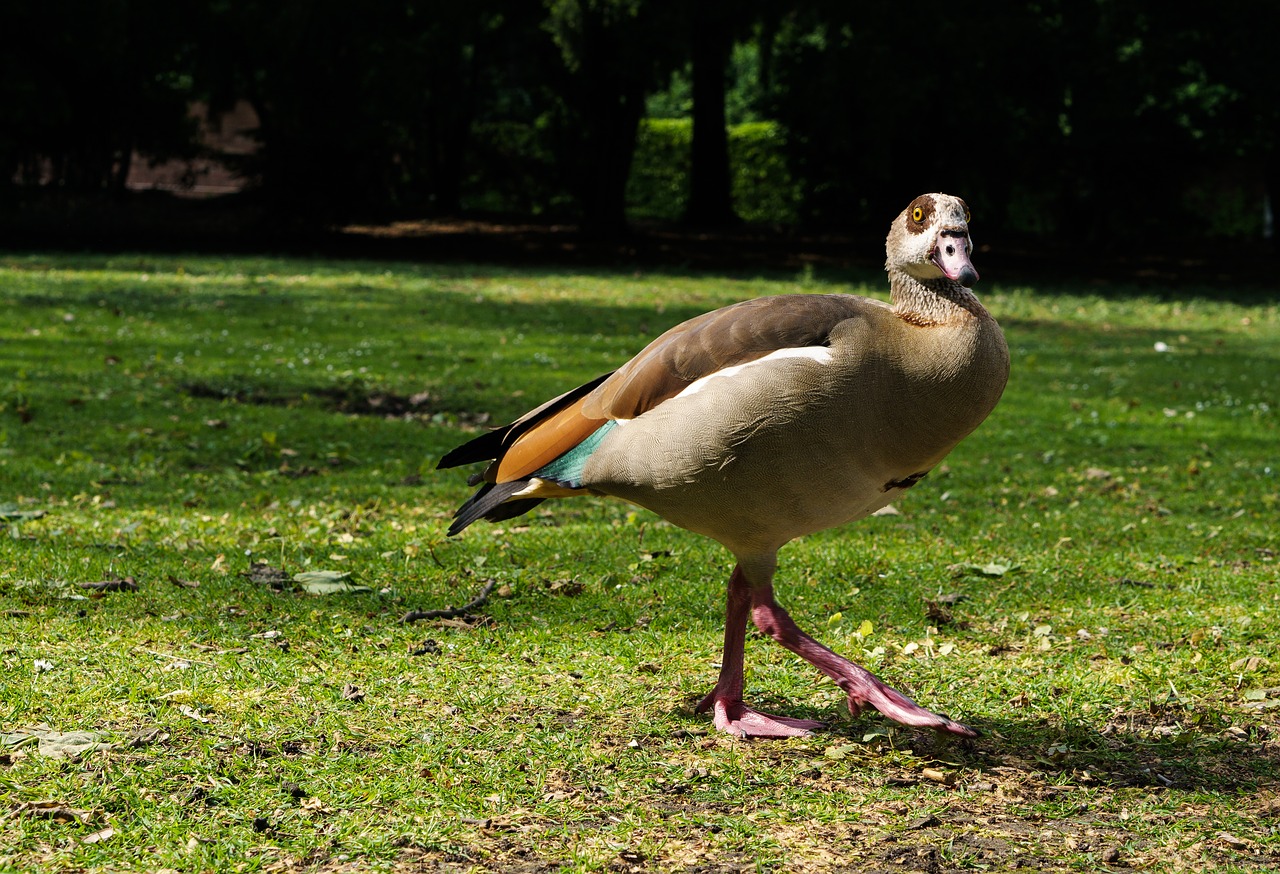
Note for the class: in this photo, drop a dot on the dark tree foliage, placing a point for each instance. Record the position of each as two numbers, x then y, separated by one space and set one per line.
363 108
1104 120
84 85
1095 119
614 53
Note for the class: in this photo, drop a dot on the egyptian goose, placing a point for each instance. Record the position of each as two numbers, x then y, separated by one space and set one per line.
769 419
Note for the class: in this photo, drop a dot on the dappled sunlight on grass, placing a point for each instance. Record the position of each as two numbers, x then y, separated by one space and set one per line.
1090 579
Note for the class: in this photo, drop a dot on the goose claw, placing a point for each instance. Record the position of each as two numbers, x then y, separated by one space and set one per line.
737 719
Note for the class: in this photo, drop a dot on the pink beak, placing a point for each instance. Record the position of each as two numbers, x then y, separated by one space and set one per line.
952 257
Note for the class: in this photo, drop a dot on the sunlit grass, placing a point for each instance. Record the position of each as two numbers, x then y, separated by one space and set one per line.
1101 556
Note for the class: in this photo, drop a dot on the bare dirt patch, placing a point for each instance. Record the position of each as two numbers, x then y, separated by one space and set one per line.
353 400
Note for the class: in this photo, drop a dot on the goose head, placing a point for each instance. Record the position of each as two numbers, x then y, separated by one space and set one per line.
929 241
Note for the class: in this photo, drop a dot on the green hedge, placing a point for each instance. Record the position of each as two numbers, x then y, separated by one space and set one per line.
763 189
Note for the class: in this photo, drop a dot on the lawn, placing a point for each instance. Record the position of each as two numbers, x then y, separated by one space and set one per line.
217 485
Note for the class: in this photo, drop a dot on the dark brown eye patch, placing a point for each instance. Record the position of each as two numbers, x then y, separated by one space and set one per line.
920 213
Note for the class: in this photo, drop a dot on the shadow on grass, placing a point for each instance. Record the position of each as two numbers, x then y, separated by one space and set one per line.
1160 749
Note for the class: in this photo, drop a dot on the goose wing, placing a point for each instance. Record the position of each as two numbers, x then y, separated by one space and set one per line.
700 347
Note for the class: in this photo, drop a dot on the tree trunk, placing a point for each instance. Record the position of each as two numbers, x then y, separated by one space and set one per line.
609 108
710 185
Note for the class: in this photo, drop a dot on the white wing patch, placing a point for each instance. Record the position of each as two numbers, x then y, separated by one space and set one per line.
542 488
816 354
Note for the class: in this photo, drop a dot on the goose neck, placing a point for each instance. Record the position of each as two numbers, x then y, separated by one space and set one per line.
931 302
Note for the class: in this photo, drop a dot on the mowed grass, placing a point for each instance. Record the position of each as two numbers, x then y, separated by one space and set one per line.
1090 579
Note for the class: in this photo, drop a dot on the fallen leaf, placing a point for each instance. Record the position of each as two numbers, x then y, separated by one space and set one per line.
1232 841
352 693
113 585
464 623
98 836
1270 807
56 744
565 587
993 569
56 588
1250 664
190 712
264 574
10 512
935 612
145 736
327 583
314 805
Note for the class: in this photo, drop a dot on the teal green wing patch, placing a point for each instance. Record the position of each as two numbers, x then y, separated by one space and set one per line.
567 469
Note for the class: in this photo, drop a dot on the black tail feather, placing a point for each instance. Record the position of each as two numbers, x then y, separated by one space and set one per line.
483 448
490 502
492 444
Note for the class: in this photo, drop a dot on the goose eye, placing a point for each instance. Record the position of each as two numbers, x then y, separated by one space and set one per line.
967 218
917 214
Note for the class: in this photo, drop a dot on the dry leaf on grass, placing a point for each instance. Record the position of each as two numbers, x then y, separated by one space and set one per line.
128 584
191 713
327 583
991 569
265 575
10 512
56 744
1232 841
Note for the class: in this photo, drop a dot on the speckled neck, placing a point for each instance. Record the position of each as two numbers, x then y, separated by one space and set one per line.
932 302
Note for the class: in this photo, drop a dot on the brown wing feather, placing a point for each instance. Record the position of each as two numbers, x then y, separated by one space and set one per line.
546 441
723 338
691 350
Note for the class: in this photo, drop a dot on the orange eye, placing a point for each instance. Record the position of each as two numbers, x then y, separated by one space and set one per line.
917 214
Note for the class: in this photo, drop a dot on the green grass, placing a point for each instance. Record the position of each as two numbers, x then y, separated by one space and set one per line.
171 420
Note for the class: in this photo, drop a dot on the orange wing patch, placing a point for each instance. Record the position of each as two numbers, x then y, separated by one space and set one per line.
546 441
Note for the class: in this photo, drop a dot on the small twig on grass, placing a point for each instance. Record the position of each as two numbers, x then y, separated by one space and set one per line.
451 612
432 550
127 584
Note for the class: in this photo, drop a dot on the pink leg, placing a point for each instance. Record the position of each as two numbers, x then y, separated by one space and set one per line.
863 688
725 700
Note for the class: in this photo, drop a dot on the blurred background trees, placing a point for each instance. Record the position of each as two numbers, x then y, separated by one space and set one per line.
1103 120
